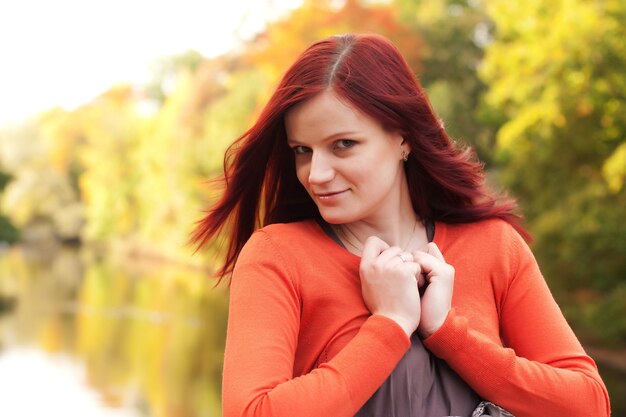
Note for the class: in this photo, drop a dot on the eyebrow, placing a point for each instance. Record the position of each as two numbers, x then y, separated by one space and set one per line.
334 136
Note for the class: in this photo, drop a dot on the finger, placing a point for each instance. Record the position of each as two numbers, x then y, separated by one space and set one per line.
427 261
412 269
373 247
405 256
389 254
420 278
432 249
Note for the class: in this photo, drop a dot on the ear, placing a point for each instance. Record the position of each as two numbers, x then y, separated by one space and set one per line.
404 145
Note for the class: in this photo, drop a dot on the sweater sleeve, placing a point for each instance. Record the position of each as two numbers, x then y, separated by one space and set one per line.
262 338
543 369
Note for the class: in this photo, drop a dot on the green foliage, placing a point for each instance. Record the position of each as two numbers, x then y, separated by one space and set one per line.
8 232
454 34
184 145
131 166
166 70
110 127
221 124
127 168
37 192
614 169
4 180
556 70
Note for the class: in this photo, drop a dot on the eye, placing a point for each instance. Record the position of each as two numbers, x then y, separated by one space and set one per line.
344 144
299 150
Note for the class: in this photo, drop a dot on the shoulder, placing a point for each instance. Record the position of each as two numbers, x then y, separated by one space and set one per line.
484 232
290 233
491 242
278 230
284 238
282 251
488 254
267 256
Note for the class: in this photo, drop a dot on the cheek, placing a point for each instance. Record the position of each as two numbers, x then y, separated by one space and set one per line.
302 172
375 175
364 171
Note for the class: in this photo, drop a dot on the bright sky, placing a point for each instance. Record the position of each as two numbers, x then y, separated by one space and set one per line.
66 52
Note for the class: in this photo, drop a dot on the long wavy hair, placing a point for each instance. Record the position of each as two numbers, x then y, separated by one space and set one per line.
446 183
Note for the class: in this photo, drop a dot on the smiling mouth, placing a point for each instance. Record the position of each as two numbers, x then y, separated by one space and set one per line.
329 195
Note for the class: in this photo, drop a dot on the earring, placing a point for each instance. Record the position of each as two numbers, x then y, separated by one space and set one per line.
405 155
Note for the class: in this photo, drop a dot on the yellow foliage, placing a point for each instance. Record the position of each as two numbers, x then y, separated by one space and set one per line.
286 39
614 169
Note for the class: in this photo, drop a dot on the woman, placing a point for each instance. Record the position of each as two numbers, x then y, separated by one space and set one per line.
372 271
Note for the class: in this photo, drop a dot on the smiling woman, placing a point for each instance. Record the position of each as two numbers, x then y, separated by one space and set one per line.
336 147
373 273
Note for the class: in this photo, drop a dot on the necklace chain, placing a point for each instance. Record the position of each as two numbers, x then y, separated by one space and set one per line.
359 247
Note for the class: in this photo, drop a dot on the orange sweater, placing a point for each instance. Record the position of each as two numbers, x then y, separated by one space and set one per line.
301 342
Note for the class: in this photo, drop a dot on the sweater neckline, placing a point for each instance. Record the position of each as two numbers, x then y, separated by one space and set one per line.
438 238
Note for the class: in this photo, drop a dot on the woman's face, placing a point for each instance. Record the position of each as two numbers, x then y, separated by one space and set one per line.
349 164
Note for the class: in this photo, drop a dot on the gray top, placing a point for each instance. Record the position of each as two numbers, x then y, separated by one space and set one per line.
421 385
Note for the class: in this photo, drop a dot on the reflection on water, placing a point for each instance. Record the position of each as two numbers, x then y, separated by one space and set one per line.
137 340
33 383
81 336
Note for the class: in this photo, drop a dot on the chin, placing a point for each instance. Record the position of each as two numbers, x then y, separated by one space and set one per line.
336 218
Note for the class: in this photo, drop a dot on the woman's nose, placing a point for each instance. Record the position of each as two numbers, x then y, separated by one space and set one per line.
321 169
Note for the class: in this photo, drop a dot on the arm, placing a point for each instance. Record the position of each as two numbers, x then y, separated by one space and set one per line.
262 340
543 370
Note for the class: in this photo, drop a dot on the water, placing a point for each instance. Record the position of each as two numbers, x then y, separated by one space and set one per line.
81 336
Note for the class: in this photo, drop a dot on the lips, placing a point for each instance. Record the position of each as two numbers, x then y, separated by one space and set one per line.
329 194
330 198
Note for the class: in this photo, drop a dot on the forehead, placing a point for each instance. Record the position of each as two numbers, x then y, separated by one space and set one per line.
324 115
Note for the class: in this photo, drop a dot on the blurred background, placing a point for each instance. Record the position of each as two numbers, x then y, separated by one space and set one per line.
114 114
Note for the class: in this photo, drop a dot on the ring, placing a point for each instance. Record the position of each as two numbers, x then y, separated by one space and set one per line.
401 257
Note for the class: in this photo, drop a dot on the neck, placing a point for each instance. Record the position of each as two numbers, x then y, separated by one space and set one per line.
406 232
394 222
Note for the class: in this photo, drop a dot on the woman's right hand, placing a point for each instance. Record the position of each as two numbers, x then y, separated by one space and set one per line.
389 284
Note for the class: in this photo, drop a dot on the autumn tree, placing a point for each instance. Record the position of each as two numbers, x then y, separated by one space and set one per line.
8 232
183 146
276 48
556 70
454 35
39 195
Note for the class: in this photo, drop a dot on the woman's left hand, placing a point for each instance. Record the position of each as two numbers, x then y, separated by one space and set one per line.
439 280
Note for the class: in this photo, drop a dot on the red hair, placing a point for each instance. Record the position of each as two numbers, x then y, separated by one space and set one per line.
445 182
